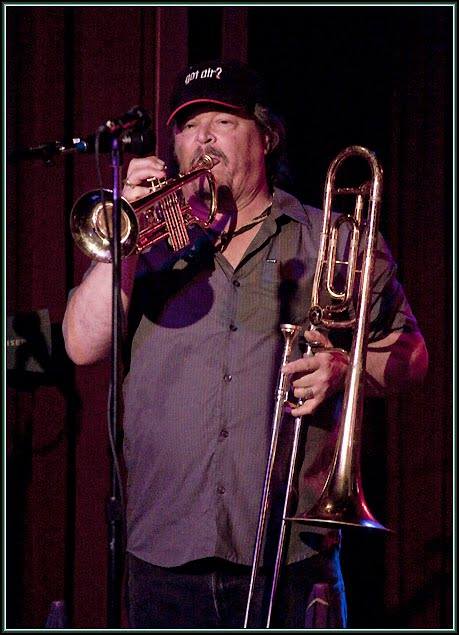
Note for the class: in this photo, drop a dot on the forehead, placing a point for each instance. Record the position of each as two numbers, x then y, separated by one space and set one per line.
213 109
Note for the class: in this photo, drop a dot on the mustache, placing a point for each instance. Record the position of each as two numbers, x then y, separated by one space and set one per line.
212 152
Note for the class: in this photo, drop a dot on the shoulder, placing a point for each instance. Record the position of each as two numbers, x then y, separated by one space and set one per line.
288 205
299 226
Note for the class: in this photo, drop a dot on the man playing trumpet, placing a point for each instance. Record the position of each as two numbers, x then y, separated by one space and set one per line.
204 356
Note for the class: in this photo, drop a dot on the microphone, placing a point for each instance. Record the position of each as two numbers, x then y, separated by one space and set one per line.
137 142
135 118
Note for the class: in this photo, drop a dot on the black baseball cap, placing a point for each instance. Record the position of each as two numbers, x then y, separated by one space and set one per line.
228 84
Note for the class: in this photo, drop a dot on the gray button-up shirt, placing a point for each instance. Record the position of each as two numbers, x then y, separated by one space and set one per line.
199 395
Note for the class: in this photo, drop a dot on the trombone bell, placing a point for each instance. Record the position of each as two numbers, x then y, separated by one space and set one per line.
349 512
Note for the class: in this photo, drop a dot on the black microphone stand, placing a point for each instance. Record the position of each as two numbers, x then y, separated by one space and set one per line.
114 507
123 133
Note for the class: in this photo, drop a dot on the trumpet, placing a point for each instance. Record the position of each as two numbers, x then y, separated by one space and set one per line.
342 502
164 212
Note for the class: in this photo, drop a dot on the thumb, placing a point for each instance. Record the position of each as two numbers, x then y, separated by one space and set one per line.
317 338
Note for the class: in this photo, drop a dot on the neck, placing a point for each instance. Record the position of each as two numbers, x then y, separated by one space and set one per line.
236 212
249 209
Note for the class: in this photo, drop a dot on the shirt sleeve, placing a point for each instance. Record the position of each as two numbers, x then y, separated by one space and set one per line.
389 310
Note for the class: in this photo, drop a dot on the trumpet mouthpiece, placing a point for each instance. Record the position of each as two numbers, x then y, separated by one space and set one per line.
206 161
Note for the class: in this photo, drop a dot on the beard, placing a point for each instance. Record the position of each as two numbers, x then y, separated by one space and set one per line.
197 192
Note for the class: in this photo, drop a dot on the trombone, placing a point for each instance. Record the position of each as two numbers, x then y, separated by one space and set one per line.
342 502
163 213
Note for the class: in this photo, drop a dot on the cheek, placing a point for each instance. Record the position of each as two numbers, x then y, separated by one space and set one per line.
179 148
182 148
252 153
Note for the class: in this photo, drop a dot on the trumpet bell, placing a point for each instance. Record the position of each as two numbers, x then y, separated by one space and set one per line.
91 225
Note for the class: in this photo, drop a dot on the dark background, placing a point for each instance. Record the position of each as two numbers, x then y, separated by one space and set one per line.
376 76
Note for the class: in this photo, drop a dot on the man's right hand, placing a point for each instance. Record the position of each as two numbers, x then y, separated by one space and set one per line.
139 170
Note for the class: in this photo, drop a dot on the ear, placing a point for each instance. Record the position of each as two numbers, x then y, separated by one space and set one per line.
267 143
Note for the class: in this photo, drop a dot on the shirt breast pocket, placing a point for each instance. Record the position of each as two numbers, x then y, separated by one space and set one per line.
260 309
270 275
289 283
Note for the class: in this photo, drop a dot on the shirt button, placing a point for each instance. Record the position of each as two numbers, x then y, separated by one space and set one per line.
233 327
221 489
236 283
224 433
227 378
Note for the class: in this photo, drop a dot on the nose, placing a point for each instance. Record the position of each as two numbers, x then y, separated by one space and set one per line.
205 133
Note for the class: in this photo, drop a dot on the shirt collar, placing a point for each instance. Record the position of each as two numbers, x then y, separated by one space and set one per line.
286 204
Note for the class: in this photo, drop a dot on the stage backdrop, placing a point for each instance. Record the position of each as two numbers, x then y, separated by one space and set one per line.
376 76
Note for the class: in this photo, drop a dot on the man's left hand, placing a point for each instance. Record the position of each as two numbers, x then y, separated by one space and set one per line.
317 377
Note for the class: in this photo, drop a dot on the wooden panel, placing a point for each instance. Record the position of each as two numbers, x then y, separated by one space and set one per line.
420 440
108 80
36 262
234 33
172 56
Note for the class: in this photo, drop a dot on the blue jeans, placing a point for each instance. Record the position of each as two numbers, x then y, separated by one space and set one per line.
212 593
